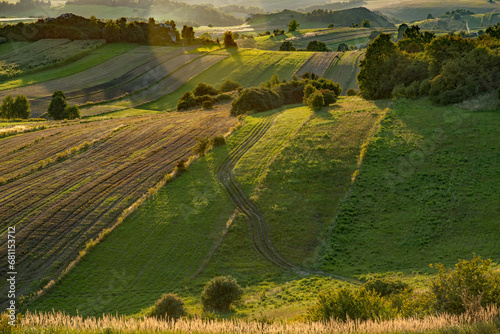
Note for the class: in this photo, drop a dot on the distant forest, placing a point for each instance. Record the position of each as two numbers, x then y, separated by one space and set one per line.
77 27
8 7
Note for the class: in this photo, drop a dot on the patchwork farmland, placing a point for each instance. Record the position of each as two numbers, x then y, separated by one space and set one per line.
65 184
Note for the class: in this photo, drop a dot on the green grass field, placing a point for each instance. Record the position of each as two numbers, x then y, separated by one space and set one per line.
248 67
94 58
426 192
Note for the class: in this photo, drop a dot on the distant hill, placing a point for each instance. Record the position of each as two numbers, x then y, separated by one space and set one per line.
340 18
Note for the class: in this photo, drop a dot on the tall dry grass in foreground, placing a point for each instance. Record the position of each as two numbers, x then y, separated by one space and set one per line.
62 323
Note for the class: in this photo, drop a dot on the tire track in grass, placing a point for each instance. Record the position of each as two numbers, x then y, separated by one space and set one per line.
260 232
258 225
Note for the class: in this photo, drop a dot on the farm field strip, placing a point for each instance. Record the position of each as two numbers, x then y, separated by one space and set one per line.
318 63
134 81
116 71
43 54
248 67
88 190
93 59
168 84
345 70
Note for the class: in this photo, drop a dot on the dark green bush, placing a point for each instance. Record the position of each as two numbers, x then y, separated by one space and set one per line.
202 145
168 307
229 85
208 104
309 89
346 302
352 92
186 101
204 89
453 288
316 100
218 141
223 97
181 166
256 99
328 97
203 98
386 287
220 294
72 112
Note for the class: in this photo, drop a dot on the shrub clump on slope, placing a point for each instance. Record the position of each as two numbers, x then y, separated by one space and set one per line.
273 94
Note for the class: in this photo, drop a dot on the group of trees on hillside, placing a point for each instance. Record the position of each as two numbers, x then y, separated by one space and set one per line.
59 108
448 69
15 108
311 90
77 27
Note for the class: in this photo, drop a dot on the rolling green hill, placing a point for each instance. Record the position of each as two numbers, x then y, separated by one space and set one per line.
340 18
426 192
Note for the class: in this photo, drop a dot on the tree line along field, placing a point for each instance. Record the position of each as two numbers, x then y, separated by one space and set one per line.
63 185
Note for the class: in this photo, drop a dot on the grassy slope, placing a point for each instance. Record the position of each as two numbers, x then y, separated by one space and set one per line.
427 192
96 57
248 67
163 246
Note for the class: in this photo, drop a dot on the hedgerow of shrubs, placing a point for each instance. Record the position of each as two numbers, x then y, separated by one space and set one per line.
467 288
204 93
273 94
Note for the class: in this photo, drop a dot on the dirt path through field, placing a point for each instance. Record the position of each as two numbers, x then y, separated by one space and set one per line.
260 232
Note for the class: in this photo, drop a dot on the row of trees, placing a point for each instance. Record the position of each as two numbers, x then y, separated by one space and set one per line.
448 69
120 30
20 107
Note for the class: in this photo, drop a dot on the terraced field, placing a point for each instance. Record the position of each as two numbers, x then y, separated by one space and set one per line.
94 58
318 63
248 67
69 182
44 54
144 64
345 69
332 38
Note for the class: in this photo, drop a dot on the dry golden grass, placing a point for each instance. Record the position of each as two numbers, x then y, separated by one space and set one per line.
59 322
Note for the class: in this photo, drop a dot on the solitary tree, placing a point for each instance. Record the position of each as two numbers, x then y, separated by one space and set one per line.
57 105
168 307
430 17
229 40
366 24
220 293
293 25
